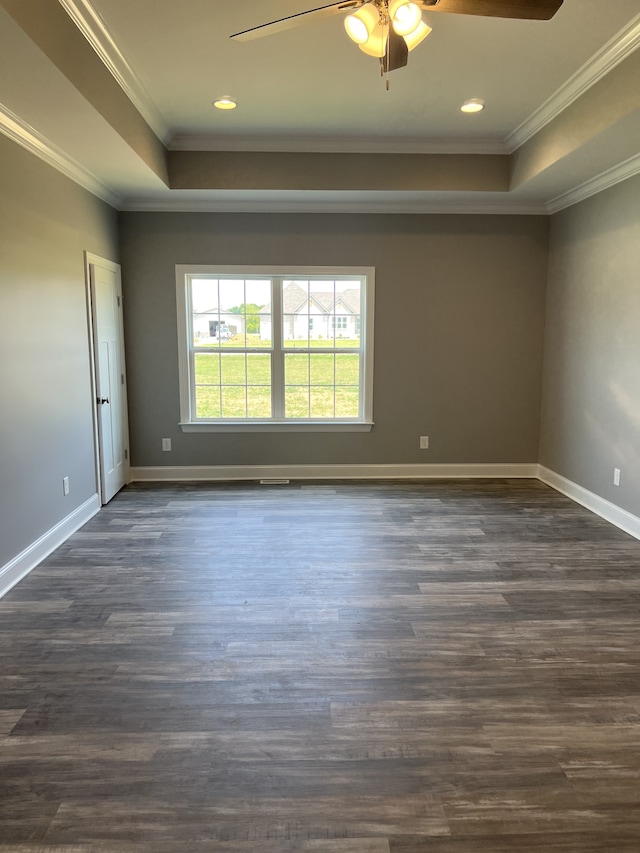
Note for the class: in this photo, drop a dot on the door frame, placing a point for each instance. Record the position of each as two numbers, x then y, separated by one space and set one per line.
89 259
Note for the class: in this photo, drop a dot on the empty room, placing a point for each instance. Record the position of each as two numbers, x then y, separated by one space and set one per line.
319 426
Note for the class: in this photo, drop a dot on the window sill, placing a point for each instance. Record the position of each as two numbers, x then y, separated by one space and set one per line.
278 426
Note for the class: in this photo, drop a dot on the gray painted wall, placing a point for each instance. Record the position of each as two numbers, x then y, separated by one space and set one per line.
460 325
46 430
458 332
591 403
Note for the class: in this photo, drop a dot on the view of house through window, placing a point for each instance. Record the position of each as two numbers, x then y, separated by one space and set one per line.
231 359
286 348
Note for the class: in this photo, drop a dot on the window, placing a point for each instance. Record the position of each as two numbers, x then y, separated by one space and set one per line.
265 348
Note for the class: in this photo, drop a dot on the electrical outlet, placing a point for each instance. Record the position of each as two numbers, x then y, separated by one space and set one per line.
166 444
424 442
65 485
616 476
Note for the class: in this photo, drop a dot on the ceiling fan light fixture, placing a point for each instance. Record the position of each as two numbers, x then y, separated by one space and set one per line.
405 17
361 24
418 35
225 103
472 105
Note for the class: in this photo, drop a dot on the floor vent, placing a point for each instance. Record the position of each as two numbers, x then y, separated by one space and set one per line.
273 482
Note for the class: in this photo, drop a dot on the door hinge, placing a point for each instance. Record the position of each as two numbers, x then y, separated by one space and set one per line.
122 378
126 453
118 298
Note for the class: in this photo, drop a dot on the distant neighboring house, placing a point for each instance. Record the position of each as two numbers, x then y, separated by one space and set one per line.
214 326
317 315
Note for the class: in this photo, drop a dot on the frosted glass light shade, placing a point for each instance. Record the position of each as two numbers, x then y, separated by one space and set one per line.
405 17
361 24
356 29
376 44
413 39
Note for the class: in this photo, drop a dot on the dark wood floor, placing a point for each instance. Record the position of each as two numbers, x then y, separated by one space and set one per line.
337 668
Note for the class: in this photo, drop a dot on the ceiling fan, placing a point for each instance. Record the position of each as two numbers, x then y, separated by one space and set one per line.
389 29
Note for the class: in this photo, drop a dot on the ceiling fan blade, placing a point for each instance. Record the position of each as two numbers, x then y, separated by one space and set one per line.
297 20
397 54
532 10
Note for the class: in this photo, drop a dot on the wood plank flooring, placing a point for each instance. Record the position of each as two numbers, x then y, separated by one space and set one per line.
439 667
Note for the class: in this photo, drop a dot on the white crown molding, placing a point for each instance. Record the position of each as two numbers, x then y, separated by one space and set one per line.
600 506
613 53
28 137
336 145
203 473
94 29
601 182
27 560
456 204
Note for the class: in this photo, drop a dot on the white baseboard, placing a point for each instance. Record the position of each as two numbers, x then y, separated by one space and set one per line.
28 559
604 508
213 473
328 472
23 563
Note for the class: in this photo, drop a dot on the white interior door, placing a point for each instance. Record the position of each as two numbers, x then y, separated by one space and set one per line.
110 382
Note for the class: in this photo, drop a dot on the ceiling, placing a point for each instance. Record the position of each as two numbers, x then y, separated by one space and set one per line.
117 94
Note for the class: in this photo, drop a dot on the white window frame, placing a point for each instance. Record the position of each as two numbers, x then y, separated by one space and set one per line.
188 421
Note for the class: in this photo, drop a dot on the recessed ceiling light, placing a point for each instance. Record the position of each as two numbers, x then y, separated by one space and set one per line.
472 105
225 103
